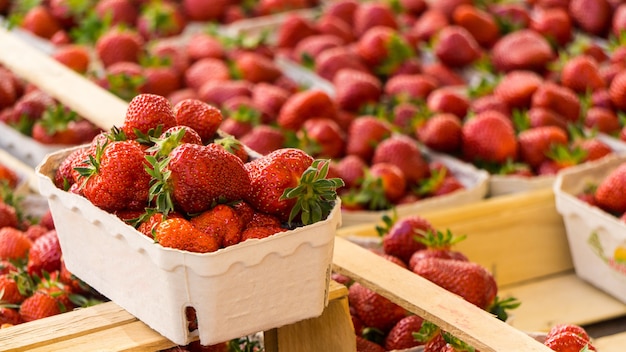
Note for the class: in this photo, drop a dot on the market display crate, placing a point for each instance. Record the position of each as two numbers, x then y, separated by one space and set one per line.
596 238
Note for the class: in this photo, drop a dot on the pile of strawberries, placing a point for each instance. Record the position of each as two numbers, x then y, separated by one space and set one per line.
607 194
34 282
38 115
168 172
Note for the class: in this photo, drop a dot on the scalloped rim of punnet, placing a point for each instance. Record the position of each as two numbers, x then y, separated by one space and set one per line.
253 286
585 223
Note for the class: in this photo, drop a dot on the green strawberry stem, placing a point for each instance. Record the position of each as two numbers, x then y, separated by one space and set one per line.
315 194
500 307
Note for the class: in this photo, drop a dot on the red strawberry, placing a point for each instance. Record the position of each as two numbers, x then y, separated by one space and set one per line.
227 95
538 117
304 105
438 245
38 306
205 119
351 169
148 225
160 19
45 254
332 60
441 132
8 176
39 21
576 329
14 244
333 26
8 215
160 80
522 50
264 139
400 240
293 29
403 152
582 74
466 279
120 11
9 317
269 99
364 133
617 91
206 70
456 47
567 341
260 232
443 75
608 192
365 345
76 57
322 137
118 45
618 23
355 89
307 50
401 335
429 24
385 184
203 45
343 9
221 222
410 86
179 233
603 119
516 88
554 24
9 290
557 98
489 137
535 143
256 68
146 112
480 24
448 100
371 14
592 16
383 49
199 10
374 310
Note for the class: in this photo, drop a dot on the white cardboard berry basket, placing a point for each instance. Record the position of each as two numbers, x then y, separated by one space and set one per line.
476 184
501 185
596 238
253 286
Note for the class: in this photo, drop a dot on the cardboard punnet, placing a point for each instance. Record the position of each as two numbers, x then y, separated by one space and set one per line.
597 239
253 286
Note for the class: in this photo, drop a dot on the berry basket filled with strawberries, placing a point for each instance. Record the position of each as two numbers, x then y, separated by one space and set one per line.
165 218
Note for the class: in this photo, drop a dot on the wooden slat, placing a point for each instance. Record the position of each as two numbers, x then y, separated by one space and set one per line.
420 296
30 181
73 90
612 343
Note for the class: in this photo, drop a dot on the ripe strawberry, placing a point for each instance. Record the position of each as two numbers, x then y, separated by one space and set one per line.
9 290
322 137
384 184
179 233
332 60
374 310
438 245
351 169
9 317
269 99
146 112
160 19
448 100
383 49
304 105
204 118
76 57
343 9
14 244
8 176
557 98
255 68
403 152
466 279
116 178
608 191
567 341
32 105
264 139
522 50
593 17
221 222
372 14
456 47
334 27
218 92
44 254
160 80
517 88
39 21
38 306
429 24
535 143
205 70
198 10
355 89
617 91
293 29
480 24
365 345
400 240
576 329
441 132
364 133
260 232
603 119
309 48
117 45
401 335
8 215
489 137
582 74
443 75
410 86
554 24
538 117
618 23
120 11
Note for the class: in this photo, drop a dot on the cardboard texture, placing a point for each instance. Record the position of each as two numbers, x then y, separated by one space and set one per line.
597 239
249 287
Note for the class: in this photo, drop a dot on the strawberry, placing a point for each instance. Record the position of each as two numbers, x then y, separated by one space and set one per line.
618 23
198 10
443 75
38 306
410 86
190 177
44 254
441 132
160 80
364 133
448 100
204 45
535 143
607 194
456 47
117 45
146 112
204 118
39 21
557 98
374 310
179 233
401 239
489 137
8 176
271 7
403 152
440 182
617 91
365 345
522 50
304 105
372 14
554 24
383 49
8 90
260 232
218 93
466 279
438 245
8 215
603 119
593 17
115 178
76 57
429 24
10 290
264 139
332 60
351 169
293 29
205 70
14 244
582 74
221 222
269 99
576 329
343 9
289 184
160 19
355 89
480 24
119 11
538 117
9 317
517 88
322 137
567 341
256 68
401 335
309 48
384 184
334 27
